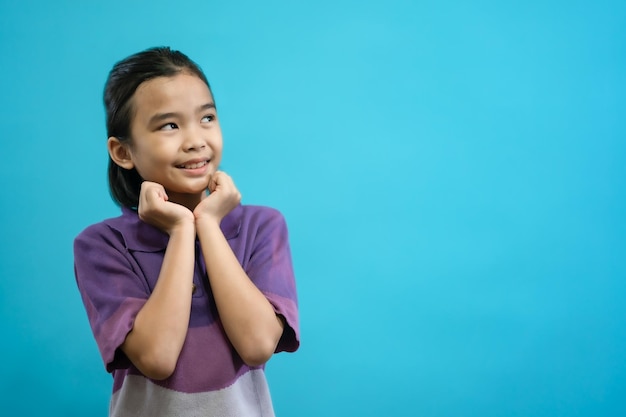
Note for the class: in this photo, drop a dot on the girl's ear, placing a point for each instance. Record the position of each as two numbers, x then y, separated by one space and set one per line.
119 153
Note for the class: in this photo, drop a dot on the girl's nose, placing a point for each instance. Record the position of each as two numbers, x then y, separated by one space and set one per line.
194 141
195 146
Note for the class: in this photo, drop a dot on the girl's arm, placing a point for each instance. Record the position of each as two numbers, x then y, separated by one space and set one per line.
156 339
248 318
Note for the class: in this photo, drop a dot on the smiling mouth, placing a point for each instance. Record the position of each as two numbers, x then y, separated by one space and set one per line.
194 165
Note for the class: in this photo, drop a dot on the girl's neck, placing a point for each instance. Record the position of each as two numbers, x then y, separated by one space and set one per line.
188 200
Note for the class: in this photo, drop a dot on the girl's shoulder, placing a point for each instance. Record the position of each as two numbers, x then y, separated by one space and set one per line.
254 214
252 219
249 211
127 219
125 230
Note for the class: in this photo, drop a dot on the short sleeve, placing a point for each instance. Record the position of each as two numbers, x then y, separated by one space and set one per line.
270 268
111 290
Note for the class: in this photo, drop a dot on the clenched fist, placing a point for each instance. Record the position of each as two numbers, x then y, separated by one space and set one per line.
223 197
155 209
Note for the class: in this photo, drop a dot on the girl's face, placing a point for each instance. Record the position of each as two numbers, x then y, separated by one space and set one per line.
176 137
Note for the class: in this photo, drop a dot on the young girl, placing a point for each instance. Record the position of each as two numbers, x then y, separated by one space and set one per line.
188 293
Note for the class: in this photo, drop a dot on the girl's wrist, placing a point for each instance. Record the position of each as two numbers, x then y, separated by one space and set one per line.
183 226
207 220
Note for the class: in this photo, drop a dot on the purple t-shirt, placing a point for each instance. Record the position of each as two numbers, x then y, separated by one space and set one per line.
117 263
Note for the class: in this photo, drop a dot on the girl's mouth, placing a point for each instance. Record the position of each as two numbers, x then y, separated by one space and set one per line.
193 165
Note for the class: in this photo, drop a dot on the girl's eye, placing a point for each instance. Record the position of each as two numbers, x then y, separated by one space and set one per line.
169 126
208 118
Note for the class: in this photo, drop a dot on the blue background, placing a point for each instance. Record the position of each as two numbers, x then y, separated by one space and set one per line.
452 173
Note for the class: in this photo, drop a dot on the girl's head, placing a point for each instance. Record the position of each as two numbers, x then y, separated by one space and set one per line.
119 93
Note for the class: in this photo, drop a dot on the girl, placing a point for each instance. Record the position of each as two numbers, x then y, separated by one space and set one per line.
188 293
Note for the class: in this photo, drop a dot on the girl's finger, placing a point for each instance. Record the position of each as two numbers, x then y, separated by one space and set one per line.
212 182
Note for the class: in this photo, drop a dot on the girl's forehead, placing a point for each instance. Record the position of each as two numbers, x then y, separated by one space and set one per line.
180 90
182 95
169 85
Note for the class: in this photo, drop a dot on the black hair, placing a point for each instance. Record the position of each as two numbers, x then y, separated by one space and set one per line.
123 80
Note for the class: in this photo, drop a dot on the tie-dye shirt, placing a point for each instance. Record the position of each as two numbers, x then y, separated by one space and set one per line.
117 263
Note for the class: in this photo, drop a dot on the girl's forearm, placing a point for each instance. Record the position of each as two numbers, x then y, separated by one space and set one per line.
248 318
160 328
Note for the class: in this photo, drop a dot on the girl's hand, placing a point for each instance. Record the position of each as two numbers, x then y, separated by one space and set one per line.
155 209
223 197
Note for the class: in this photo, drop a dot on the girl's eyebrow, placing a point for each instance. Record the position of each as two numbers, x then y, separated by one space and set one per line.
207 106
159 117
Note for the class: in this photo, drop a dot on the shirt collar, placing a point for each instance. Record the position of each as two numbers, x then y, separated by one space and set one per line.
143 237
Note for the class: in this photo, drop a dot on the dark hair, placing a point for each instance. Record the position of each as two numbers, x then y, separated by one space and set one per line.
124 79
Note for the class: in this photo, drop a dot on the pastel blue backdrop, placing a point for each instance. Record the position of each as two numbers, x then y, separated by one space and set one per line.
452 173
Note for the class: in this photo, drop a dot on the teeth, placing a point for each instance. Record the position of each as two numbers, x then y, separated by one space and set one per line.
194 166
